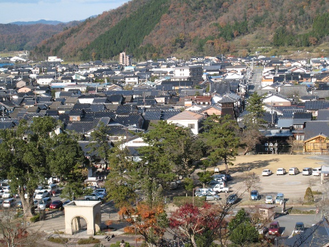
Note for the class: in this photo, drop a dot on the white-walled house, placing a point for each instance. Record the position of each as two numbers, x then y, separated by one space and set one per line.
189 120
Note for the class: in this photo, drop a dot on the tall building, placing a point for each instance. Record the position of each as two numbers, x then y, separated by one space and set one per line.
124 59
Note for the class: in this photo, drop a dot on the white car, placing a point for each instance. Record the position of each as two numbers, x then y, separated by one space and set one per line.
42 194
269 200
204 191
293 171
266 172
316 171
280 171
7 195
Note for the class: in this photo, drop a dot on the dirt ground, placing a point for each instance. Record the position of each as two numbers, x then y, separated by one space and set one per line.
293 186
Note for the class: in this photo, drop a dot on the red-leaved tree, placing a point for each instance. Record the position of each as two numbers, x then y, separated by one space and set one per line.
190 221
149 222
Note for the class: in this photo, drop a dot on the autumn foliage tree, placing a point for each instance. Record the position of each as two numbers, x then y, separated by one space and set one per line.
149 222
190 222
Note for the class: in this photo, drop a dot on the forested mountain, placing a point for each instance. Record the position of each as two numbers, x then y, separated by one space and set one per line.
152 28
15 37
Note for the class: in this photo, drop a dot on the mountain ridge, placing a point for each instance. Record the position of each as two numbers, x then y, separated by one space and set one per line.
191 27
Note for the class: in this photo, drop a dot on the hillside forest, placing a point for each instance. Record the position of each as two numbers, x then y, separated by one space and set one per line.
150 29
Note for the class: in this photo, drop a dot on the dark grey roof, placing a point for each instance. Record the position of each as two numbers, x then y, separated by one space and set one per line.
303 115
81 127
153 115
115 98
97 107
130 120
178 83
289 113
104 114
314 128
323 114
316 105
79 106
123 92
7 124
126 109
168 114
285 122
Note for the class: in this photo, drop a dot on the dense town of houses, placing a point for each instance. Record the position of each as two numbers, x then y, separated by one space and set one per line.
129 97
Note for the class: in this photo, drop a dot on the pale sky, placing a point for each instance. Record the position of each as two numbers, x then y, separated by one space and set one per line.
54 10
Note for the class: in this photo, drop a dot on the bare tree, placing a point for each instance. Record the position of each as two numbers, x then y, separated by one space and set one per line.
14 231
251 180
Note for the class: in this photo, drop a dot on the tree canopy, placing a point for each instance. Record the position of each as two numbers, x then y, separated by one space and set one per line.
33 152
221 137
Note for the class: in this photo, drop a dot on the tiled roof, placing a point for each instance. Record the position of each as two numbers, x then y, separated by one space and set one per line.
316 105
186 115
314 128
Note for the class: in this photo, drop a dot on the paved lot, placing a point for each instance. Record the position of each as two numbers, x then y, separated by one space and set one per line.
292 186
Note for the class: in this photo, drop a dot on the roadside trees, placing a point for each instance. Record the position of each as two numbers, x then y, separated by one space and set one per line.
171 152
241 230
221 137
122 179
199 226
33 152
99 142
250 135
148 221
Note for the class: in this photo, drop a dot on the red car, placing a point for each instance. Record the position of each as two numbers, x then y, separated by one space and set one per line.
274 228
56 204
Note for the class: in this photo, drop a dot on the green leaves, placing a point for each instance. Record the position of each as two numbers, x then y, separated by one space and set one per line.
33 152
221 137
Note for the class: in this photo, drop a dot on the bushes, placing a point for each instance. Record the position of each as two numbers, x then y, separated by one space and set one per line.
308 197
35 218
58 240
89 240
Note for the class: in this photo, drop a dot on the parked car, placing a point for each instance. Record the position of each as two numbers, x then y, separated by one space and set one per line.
316 171
266 172
293 171
231 199
274 228
7 194
279 199
210 197
269 200
6 188
219 188
222 177
299 228
212 183
56 204
204 191
307 171
254 195
103 190
41 194
280 171
95 197
44 203
8 203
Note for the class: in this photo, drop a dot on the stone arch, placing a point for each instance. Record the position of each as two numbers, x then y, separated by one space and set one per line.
76 224
90 211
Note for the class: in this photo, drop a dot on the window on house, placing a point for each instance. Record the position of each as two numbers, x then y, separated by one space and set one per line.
191 126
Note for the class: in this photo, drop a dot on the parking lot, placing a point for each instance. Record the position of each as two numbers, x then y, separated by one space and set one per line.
292 186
